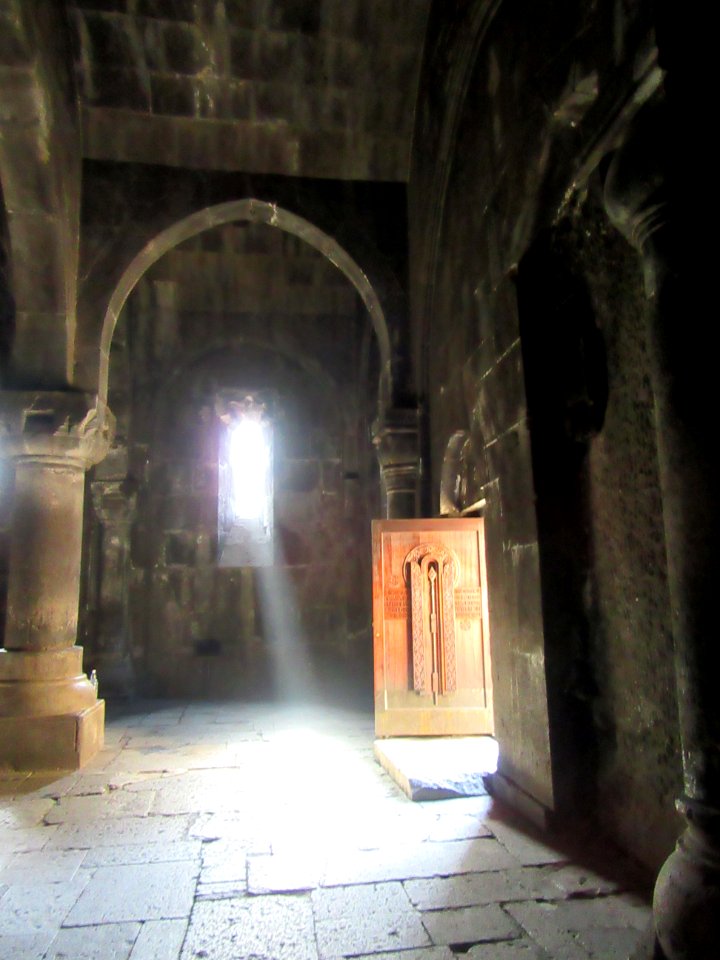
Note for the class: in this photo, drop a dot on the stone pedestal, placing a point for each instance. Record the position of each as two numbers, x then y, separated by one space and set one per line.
50 717
396 439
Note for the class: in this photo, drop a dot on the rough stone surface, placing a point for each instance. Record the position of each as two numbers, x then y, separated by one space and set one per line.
430 768
113 940
515 950
149 891
114 833
159 940
283 874
332 879
29 908
221 309
26 946
320 91
81 809
528 847
428 953
459 152
470 925
376 916
497 886
56 866
431 860
160 852
502 301
280 927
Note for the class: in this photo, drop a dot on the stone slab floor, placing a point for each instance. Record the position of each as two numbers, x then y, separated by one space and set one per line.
262 832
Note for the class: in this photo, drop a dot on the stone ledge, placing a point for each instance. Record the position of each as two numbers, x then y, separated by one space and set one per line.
438 768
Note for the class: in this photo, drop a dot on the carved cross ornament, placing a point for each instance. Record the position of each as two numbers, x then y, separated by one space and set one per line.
432 572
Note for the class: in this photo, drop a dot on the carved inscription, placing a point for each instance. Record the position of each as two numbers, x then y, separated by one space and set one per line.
468 603
396 604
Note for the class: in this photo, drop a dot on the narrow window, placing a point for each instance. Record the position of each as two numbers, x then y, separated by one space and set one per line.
245 485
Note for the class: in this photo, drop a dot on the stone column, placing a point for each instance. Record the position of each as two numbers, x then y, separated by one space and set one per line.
649 203
396 439
114 506
50 716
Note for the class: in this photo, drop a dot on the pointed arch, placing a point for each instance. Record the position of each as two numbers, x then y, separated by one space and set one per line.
253 211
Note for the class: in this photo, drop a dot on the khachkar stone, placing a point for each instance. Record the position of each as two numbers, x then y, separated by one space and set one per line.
50 717
649 201
397 443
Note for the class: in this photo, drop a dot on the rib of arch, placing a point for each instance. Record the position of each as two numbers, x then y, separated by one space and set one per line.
254 211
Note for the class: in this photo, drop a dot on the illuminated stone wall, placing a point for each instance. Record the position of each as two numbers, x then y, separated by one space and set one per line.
242 307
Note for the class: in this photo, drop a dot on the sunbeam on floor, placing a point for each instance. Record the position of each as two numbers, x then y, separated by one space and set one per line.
230 832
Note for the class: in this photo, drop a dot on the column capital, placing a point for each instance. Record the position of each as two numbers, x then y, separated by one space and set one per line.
47 426
637 192
396 437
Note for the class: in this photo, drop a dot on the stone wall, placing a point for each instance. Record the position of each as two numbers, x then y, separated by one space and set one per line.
129 208
516 110
639 774
251 308
40 169
321 89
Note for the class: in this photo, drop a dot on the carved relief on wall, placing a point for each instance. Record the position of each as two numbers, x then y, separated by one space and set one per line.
432 572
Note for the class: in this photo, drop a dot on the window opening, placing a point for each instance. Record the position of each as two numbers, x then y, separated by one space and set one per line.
245 483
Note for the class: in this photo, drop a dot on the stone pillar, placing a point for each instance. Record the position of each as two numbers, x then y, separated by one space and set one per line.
396 439
114 505
50 717
649 203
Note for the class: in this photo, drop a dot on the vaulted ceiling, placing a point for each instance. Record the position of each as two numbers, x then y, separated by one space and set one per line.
318 88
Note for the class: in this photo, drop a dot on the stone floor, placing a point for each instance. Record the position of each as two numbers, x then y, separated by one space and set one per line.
259 832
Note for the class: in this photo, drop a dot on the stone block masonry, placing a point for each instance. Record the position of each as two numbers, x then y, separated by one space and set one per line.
241 830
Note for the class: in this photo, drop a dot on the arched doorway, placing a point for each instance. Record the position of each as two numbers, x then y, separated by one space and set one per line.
243 306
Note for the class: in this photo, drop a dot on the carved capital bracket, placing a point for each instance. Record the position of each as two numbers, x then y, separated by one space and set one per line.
72 429
637 193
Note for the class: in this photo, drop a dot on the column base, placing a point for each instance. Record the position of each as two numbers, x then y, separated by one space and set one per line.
686 904
43 683
50 717
64 742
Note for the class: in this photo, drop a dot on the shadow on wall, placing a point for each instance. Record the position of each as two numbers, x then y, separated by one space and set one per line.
566 383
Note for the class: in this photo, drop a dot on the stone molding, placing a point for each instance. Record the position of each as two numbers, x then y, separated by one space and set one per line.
402 479
55 427
396 438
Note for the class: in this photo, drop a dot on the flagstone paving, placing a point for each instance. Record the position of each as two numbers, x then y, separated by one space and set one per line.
266 832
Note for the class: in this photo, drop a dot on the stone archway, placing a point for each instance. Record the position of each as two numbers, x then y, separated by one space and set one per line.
254 211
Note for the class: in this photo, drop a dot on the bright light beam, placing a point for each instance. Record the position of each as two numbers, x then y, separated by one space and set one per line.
249 464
